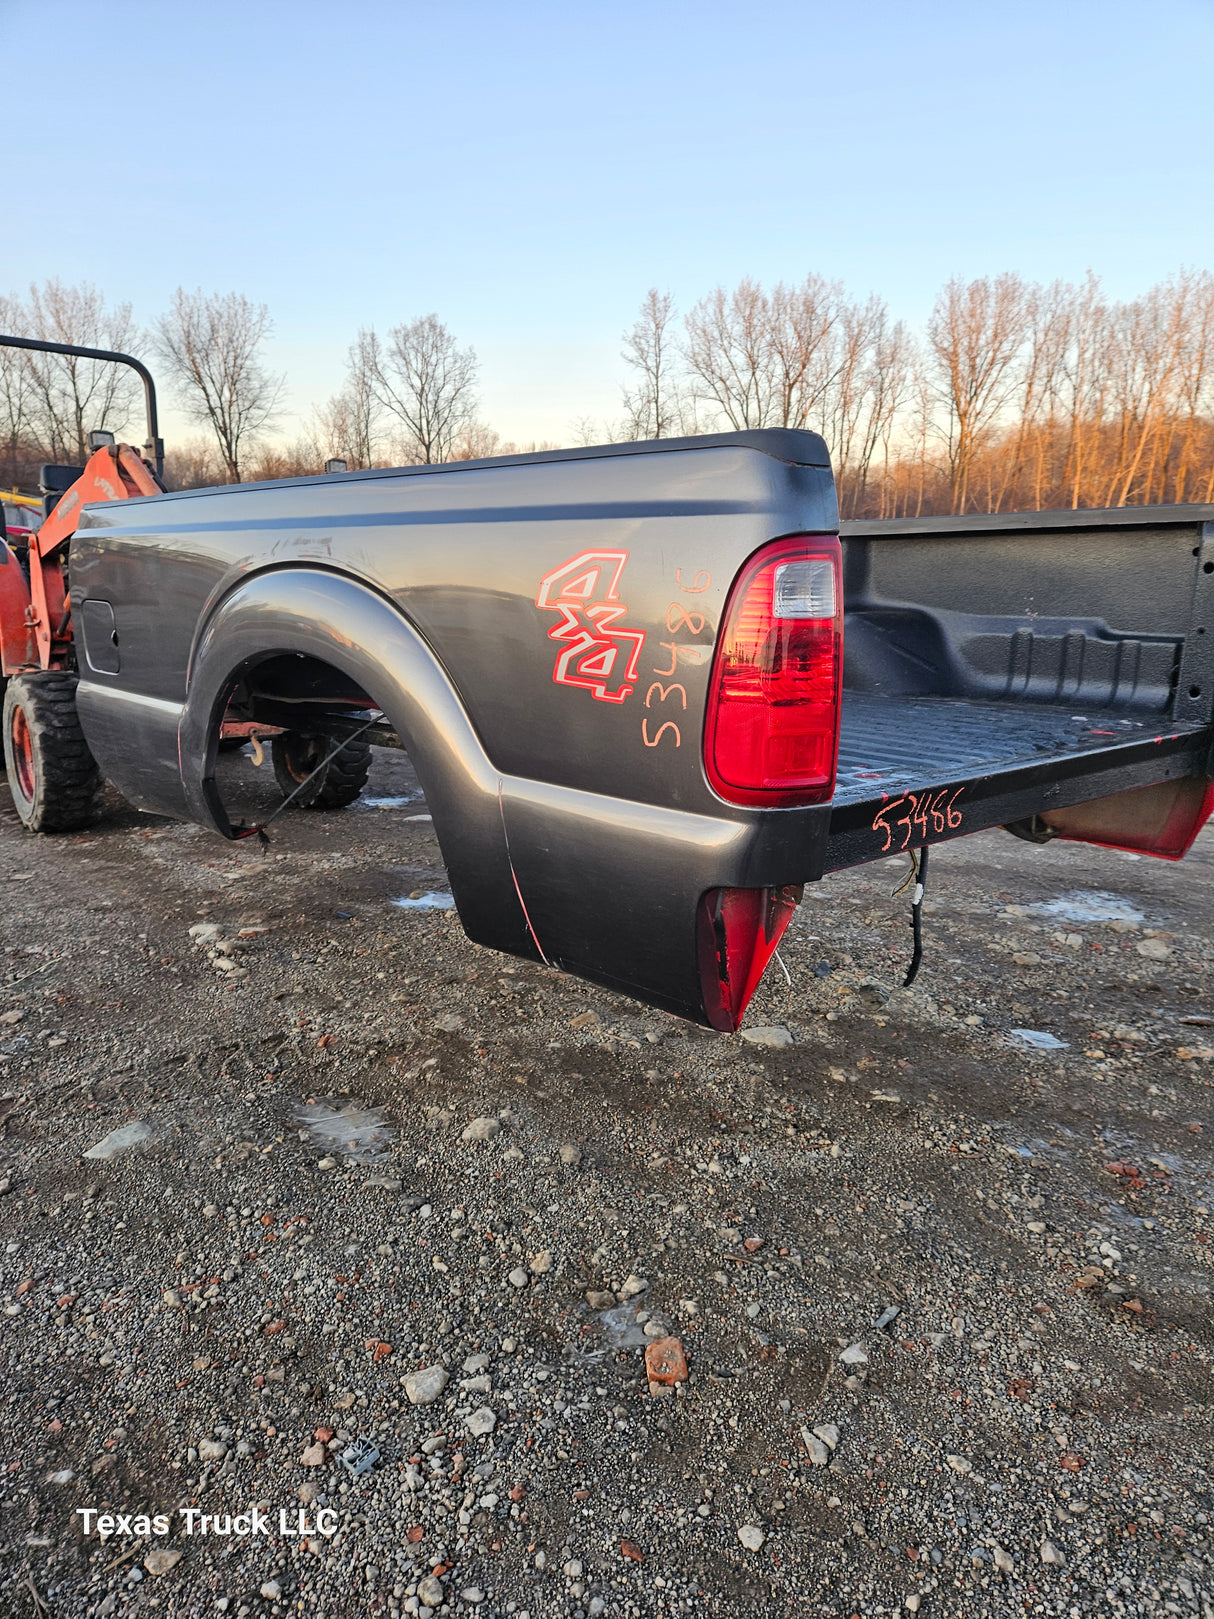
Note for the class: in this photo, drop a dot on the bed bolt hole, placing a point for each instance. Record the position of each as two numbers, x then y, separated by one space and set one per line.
1194 691
1207 567
1201 629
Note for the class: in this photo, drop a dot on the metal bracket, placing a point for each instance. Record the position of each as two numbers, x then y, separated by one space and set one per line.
1195 682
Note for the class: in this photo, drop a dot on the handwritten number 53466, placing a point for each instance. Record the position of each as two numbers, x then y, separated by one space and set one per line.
915 817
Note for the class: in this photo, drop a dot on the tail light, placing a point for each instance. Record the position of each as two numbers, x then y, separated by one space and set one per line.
772 732
737 931
1162 820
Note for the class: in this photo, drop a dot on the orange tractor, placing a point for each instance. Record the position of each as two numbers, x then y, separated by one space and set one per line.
52 775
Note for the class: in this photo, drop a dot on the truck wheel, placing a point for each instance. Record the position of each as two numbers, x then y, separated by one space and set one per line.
295 756
52 775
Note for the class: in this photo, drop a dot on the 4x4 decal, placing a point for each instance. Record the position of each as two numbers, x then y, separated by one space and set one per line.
596 652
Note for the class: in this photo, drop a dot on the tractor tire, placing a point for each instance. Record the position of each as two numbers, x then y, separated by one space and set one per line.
296 755
52 776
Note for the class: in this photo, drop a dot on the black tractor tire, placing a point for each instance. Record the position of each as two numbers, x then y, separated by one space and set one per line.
295 755
52 776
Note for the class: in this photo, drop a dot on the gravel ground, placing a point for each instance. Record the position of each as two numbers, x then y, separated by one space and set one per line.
943 1295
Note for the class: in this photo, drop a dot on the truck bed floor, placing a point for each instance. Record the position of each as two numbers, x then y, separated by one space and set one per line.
957 766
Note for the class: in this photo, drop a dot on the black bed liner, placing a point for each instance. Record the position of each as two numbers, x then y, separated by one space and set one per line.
922 769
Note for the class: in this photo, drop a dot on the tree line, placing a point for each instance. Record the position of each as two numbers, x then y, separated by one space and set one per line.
1015 396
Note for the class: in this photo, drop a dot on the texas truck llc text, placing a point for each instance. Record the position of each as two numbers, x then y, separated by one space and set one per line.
194 1521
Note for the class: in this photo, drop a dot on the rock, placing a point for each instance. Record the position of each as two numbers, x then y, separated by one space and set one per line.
63 1476
1003 1560
171 1298
828 1434
1051 1554
960 1464
161 1559
572 1569
424 1387
754 1311
481 1422
571 1154
541 1263
911 1602
384 1183
482 1130
768 1034
1153 950
665 1361
518 1277
122 1140
315 1456
271 1589
476 1363
751 1536
598 1299
212 1450
818 1451
854 1355
449 1022
632 1286
472 1594
584 1020
430 1591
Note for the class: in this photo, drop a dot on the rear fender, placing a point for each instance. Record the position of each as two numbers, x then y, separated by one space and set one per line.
331 617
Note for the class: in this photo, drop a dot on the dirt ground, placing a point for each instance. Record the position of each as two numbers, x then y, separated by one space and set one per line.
943 1289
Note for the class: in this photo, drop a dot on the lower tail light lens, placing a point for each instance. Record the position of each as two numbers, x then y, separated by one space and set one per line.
1161 820
737 931
772 733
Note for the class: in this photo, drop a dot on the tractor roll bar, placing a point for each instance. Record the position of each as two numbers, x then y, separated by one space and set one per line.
155 442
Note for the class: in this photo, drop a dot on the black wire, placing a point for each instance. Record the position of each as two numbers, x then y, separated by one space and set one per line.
259 831
916 961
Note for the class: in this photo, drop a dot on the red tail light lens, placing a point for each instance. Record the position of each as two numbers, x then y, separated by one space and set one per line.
772 734
737 931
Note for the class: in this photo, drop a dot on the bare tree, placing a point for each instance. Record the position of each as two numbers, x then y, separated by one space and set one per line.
14 389
212 347
477 442
975 332
765 360
349 425
729 356
584 431
651 405
422 377
66 396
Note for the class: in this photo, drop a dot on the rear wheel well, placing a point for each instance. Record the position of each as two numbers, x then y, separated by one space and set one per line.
285 684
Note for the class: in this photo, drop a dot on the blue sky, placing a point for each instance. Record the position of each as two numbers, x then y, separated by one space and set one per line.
528 171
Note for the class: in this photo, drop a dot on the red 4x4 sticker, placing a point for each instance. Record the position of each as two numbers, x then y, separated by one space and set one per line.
596 652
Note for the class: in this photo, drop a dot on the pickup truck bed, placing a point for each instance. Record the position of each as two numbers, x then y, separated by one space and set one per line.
621 673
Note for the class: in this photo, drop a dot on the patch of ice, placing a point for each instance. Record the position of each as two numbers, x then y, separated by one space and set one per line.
427 902
393 802
130 1135
362 1133
1039 1040
1088 905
